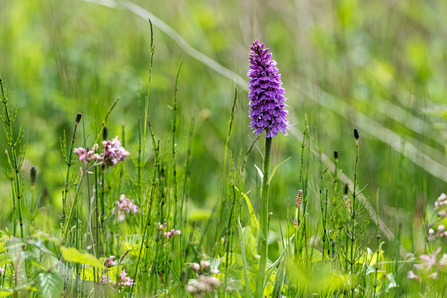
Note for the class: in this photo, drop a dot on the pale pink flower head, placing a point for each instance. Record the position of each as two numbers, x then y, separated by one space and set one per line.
411 275
428 261
125 280
114 152
125 205
172 233
87 155
109 263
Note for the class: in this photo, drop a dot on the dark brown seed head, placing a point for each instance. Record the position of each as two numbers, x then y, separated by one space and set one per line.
335 154
78 118
356 134
105 133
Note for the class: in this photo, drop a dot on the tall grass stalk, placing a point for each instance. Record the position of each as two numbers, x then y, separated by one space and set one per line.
353 210
174 145
222 202
69 163
378 245
14 146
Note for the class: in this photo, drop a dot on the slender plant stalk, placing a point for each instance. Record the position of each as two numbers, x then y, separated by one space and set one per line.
13 143
174 130
378 245
334 205
354 194
148 223
264 219
69 163
222 202
305 193
229 232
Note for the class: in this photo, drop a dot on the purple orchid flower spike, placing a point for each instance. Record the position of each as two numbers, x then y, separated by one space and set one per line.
267 101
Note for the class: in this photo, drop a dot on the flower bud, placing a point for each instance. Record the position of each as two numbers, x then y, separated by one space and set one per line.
78 118
440 228
356 134
195 267
33 175
205 265
105 133
441 213
431 232
335 155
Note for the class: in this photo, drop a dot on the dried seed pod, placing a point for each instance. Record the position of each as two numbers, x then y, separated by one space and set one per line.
299 198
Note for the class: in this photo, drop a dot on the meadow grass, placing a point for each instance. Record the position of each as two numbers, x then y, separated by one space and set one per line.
185 202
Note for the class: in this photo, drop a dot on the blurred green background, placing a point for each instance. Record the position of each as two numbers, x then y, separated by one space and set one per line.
376 65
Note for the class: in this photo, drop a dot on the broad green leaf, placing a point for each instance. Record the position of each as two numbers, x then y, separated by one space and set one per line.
5 259
50 284
279 280
254 220
73 255
6 292
244 261
274 170
268 290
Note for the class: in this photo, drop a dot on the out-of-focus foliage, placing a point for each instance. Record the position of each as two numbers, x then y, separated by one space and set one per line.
377 65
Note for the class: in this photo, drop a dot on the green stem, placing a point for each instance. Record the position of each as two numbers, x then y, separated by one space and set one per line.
353 238
264 218
15 164
229 232
222 202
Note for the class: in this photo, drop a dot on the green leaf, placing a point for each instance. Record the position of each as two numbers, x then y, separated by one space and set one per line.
244 261
254 220
274 170
6 292
391 282
279 280
260 173
50 284
5 259
73 255
271 267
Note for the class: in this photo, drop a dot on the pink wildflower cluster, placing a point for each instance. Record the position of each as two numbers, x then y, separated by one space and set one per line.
439 213
124 281
88 155
441 201
113 152
168 234
202 286
109 262
172 233
425 268
125 205
206 283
